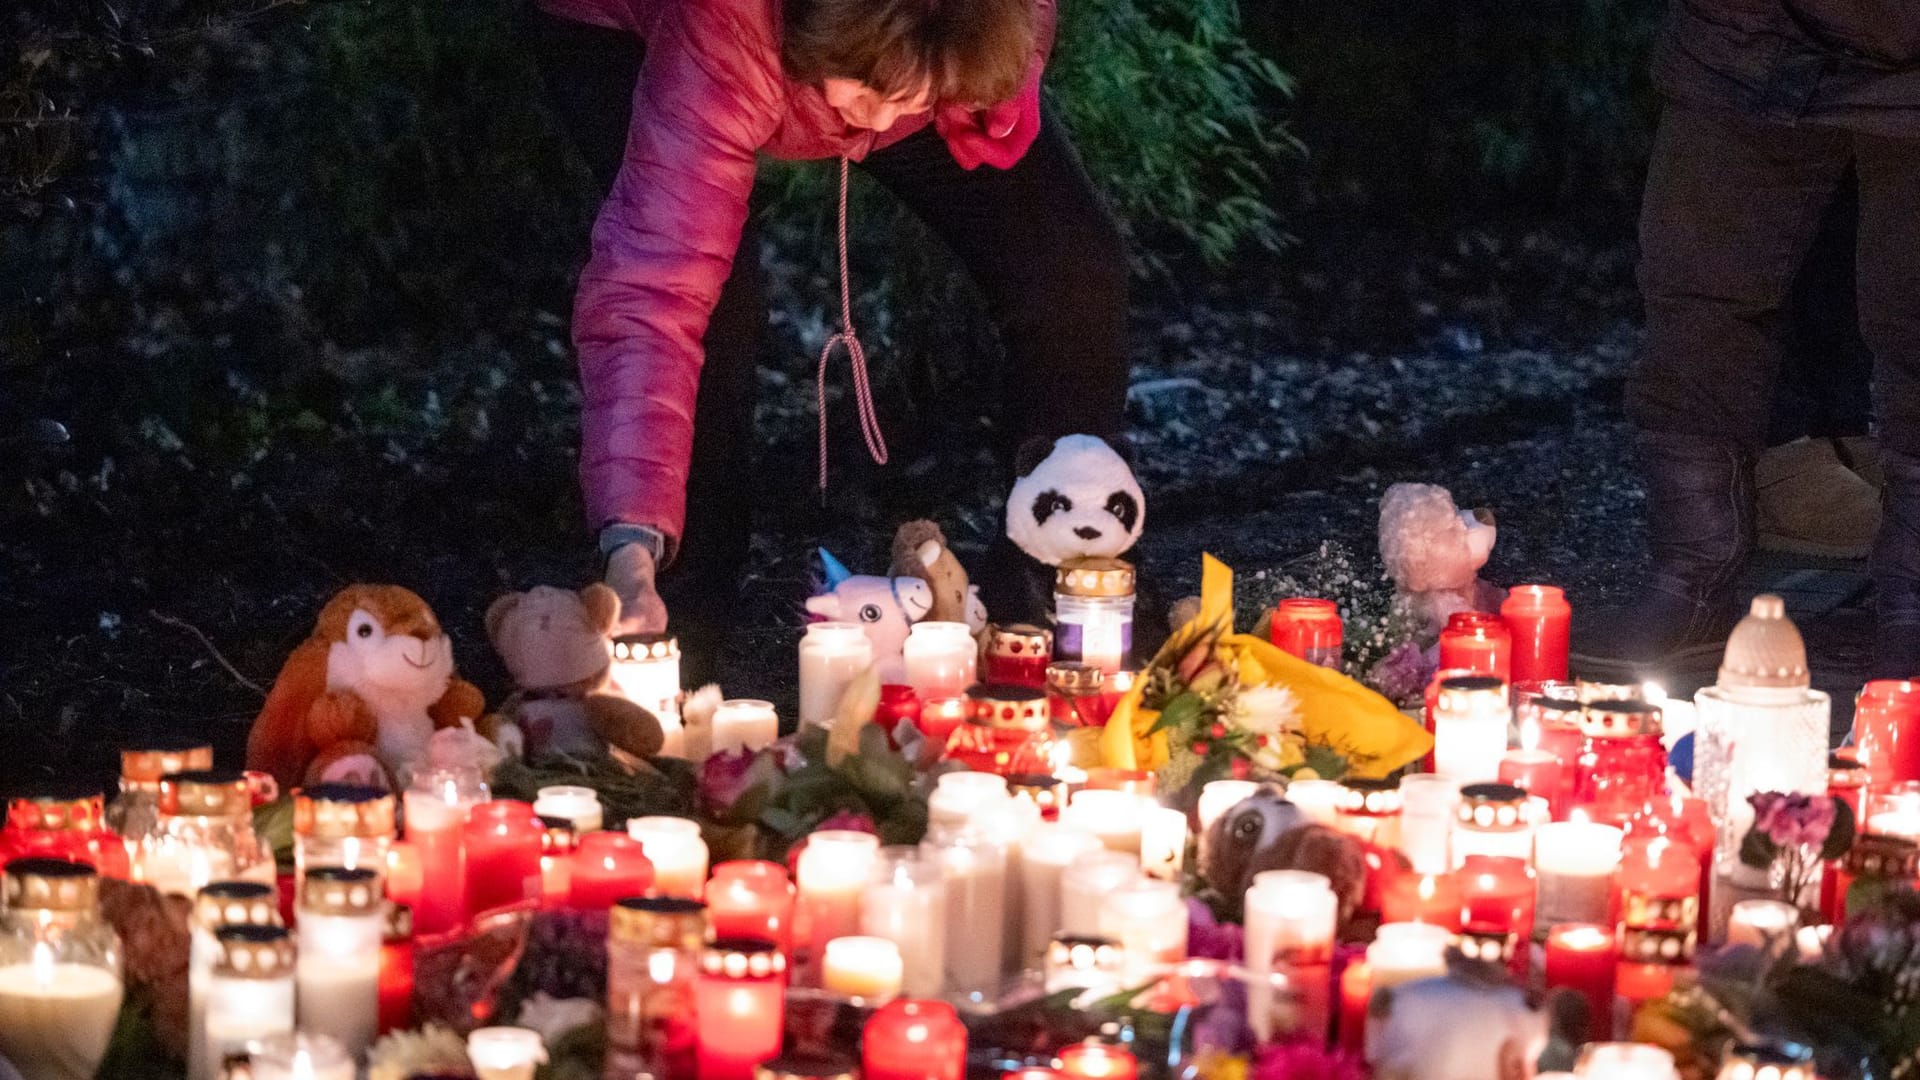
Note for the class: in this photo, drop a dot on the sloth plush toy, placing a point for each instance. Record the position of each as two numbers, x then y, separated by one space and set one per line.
1073 498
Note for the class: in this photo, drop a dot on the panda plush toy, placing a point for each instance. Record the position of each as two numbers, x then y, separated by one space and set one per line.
1073 498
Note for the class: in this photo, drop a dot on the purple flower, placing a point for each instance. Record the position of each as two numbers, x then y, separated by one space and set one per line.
1402 674
724 778
1303 1059
849 821
1208 939
1792 821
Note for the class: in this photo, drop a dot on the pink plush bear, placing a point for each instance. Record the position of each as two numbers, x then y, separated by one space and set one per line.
1433 551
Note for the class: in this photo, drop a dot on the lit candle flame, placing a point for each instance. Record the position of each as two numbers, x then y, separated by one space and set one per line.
42 965
1529 734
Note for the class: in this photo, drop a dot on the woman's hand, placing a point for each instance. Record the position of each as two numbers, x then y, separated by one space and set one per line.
630 572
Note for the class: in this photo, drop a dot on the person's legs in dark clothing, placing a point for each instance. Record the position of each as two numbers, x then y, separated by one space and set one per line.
1731 208
1889 272
1049 259
590 72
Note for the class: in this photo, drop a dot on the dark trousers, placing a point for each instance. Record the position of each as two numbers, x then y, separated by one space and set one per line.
1043 249
1732 208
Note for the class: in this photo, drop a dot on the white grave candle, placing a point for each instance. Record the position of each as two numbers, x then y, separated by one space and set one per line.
976 873
942 659
1470 721
744 724
56 1018
1113 816
1428 804
250 995
1163 842
1576 862
1008 823
506 1053
580 805
678 854
832 654
300 1057
905 902
1404 952
957 796
1043 859
1088 878
1319 800
831 873
341 921
1625 1061
1768 925
1149 920
1290 919
868 968
222 903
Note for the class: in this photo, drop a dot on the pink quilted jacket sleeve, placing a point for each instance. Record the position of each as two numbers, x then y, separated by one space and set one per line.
706 100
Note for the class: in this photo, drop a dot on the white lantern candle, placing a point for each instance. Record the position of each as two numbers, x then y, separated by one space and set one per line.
905 902
580 805
56 1018
300 1057
506 1053
1625 1061
868 968
1576 862
1113 816
678 854
337 975
1768 925
957 796
250 996
744 724
832 654
646 671
221 904
1428 804
1290 920
1470 721
1043 859
1319 800
1088 878
831 873
1163 841
976 874
1149 920
1403 952
942 659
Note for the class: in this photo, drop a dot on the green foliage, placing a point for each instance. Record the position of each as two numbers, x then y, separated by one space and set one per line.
876 782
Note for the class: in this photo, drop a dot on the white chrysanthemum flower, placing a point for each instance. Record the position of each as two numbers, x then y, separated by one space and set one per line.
1266 710
553 1017
433 1050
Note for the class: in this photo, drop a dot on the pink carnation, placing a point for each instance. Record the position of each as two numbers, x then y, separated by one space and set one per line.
724 778
1792 820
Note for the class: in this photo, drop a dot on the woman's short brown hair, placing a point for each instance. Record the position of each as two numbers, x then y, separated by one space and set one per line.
970 51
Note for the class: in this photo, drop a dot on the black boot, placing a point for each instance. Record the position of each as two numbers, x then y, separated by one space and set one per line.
1700 527
1896 572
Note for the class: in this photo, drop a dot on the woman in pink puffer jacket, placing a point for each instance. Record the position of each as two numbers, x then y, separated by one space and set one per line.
670 102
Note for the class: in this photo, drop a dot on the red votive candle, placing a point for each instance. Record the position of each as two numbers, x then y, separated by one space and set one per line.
1537 772
739 1007
396 971
1583 958
65 822
1479 642
1308 628
751 898
897 703
1425 898
1497 898
404 873
1018 655
940 716
607 866
1886 732
502 839
1538 618
914 1040
1356 992
1093 1060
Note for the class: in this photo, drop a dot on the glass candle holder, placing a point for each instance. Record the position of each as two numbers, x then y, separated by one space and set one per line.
832 655
678 854
1558 728
958 796
1086 879
941 658
1576 862
975 868
396 969
1492 819
1429 803
1404 952
1497 897
807 1067
303 1056
436 807
1873 867
1745 1061
744 724
1095 1060
1421 898
905 902
61 820
1582 957
607 867
1093 613
1163 842
1111 816
1319 800
250 995
653 961
1540 621
832 872
1290 922
205 834
1044 858
1622 766
580 806
751 898
1007 732
1019 655
342 922
1893 811
134 813
1149 920
502 841
1310 629
739 1007
1076 695
1752 740
506 1053
866 969
60 982
343 825
914 1040
646 671
1886 731
1087 962
1624 1061
1479 642
1470 721
1369 810
219 904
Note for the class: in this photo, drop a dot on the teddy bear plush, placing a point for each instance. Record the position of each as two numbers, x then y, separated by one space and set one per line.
1433 551
920 550
557 645
362 698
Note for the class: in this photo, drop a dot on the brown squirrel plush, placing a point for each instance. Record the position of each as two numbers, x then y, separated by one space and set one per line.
557 646
360 699
920 550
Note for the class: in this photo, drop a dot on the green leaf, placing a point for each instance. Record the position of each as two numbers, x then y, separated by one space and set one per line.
1179 714
1758 849
1840 837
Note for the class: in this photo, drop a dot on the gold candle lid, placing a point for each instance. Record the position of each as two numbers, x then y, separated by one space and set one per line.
1073 678
147 764
635 647
1370 798
1084 952
1620 719
1020 639
1094 577
1458 691
743 958
342 810
1651 945
1493 807
802 1067
660 922
340 890
1874 855
1642 909
204 793
1593 690
1011 708
254 952
558 835
1487 946
57 806
51 885
236 903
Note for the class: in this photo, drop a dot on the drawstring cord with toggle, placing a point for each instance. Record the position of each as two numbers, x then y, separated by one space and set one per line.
856 355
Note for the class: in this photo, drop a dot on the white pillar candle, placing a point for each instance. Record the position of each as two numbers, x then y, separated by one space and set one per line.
221 903
678 854
1149 920
1764 924
744 724
1428 804
580 805
956 796
1319 800
942 659
1290 921
1576 862
1163 842
506 1053
976 874
337 968
250 995
1470 721
646 671
1403 952
1043 859
56 1018
905 902
1113 816
1088 878
831 873
832 654
868 968
300 1057
1008 823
